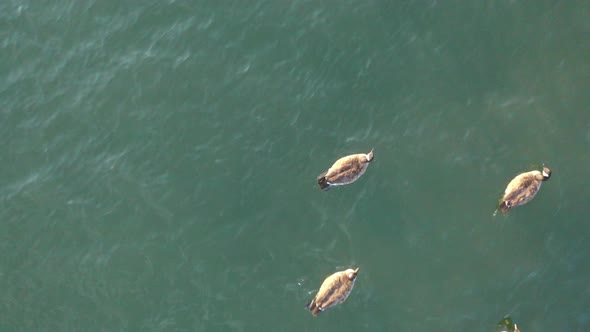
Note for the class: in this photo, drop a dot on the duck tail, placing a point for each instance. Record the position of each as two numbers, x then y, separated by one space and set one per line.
324 185
311 305
503 207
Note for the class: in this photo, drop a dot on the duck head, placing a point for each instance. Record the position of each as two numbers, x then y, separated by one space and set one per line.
370 155
351 274
546 173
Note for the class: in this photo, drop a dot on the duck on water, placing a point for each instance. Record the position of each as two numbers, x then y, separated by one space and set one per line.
523 188
346 170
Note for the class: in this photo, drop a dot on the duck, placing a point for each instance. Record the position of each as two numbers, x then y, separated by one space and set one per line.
346 170
523 188
334 290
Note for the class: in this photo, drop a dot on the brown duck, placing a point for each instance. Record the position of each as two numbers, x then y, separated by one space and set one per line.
334 290
523 188
345 170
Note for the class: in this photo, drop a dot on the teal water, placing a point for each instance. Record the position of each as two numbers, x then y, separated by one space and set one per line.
159 162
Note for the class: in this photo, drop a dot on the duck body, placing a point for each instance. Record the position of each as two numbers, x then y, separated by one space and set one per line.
345 170
523 188
334 290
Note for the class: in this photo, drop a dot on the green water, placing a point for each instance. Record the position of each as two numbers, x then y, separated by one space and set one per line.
159 162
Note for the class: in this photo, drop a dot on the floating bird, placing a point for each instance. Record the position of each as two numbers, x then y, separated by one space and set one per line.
334 290
345 170
523 188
